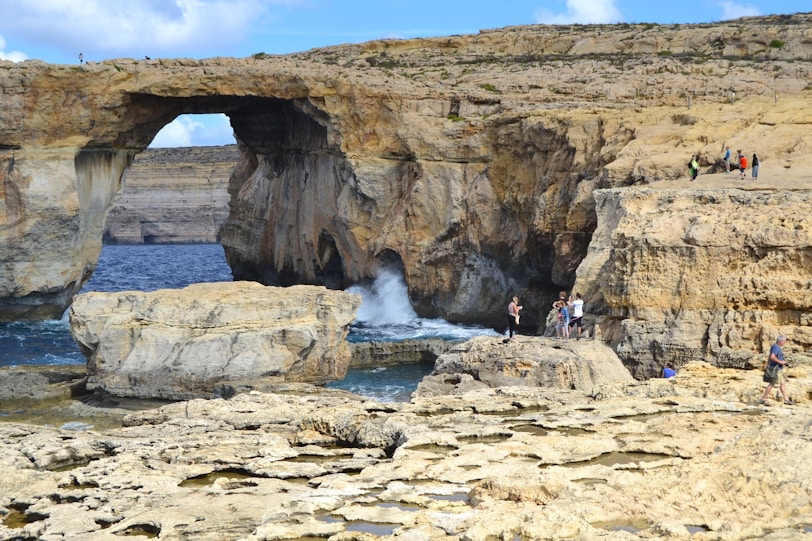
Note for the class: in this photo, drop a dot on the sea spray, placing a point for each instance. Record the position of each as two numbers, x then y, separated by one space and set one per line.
387 315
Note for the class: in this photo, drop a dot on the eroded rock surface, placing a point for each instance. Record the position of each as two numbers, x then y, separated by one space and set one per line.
187 343
679 274
492 362
693 456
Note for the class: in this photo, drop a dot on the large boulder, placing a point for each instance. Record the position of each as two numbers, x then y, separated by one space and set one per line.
191 342
525 361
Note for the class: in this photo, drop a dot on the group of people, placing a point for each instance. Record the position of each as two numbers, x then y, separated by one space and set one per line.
741 163
569 313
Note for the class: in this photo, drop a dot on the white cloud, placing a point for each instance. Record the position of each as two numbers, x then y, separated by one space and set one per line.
14 56
583 12
732 10
177 133
102 29
195 130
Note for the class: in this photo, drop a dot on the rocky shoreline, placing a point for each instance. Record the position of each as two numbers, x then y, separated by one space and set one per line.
667 459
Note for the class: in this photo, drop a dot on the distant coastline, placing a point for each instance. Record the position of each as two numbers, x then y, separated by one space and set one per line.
173 196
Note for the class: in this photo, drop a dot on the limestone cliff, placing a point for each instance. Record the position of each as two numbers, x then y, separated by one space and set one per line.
172 195
469 161
681 274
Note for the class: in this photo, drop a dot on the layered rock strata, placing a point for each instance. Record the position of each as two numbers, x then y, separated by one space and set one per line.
467 160
172 195
200 340
684 274
690 457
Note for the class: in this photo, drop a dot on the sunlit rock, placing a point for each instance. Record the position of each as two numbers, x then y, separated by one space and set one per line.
209 338
492 362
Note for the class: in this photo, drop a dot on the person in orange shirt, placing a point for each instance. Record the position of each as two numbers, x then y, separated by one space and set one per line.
742 164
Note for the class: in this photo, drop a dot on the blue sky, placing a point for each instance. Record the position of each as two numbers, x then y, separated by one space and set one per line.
57 31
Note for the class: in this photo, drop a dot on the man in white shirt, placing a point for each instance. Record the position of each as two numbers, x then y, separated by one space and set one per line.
577 314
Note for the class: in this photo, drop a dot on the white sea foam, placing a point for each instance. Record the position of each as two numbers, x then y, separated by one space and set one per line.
386 314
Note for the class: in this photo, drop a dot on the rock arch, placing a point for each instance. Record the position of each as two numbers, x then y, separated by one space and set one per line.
476 160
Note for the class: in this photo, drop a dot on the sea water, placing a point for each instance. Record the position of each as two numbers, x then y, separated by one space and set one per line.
120 268
385 314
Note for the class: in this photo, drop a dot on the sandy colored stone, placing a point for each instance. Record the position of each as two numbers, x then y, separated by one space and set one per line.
191 342
642 460
681 274
489 361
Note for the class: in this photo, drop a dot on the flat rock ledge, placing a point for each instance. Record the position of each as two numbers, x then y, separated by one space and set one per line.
207 338
380 353
695 456
494 362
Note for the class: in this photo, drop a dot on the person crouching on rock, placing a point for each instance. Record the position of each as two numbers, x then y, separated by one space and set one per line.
513 316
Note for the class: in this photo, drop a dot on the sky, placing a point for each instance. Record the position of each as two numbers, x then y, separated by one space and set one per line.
57 31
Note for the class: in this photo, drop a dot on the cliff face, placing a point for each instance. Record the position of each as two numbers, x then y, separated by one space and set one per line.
172 195
685 274
469 162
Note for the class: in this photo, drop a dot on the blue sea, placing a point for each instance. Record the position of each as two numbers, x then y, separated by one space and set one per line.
385 314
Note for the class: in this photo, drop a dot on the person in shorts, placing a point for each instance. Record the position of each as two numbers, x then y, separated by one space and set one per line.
577 315
774 372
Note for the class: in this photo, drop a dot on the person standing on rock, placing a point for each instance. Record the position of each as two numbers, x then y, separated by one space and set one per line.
559 317
727 159
773 373
577 307
754 166
565 321
693 167
513 317
742 164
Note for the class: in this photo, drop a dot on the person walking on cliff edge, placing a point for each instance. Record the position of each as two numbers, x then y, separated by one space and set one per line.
773 373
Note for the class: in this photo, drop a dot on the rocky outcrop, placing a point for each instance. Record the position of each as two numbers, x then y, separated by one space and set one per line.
200 340
468 161
684 274
172 195
533 362
36 384
693 456
366 354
